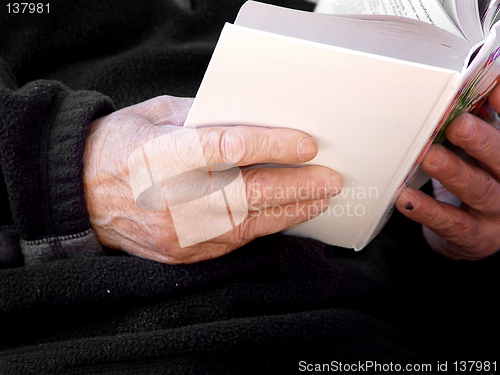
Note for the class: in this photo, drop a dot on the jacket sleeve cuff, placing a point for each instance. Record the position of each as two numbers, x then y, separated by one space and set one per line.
43 145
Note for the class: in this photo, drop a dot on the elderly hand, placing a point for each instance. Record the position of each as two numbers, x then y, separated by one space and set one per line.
472 230
143 225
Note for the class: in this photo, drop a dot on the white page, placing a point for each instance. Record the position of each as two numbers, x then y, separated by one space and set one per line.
388 36
466 16
365 113
431 12
489 14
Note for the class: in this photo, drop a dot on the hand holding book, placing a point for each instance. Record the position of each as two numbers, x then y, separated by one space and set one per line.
415 70
471 231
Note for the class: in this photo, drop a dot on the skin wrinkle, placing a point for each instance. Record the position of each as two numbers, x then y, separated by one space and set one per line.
489 197
487 192
459 176
250 181
274 150
481 146
232 148
243 232
485 145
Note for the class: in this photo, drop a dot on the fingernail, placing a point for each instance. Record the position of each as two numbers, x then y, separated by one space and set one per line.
333 185
408 201
307 148
438 156
466 128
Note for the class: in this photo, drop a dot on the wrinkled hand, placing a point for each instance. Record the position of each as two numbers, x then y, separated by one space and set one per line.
276 198
471 230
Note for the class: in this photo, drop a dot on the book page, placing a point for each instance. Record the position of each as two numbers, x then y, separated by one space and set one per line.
390 36
431 12
488 11
466 16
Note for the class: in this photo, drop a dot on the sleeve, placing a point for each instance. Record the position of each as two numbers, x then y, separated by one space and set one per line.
43 127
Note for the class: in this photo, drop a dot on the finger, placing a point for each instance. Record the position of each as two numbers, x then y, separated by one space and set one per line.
442 246
259 223
278 186
245 145
274 219
479 139
449 222
494 98
476 188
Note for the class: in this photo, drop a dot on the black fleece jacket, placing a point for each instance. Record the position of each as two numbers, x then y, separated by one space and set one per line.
69 306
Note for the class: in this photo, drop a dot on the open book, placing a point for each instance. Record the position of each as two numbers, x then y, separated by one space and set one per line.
372 87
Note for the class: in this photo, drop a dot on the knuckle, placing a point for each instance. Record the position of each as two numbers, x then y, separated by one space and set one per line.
450 226
460 226
232 146
487 195
273 148
430 215
457 252
471 247
247 230
300 214
256 186
486 143
459 174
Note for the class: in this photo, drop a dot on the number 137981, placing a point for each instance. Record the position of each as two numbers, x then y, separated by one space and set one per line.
28 8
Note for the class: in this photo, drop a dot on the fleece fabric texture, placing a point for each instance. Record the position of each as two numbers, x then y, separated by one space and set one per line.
67 306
